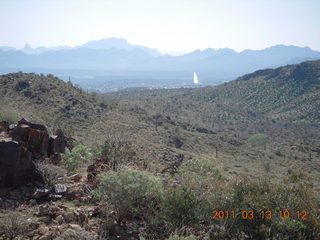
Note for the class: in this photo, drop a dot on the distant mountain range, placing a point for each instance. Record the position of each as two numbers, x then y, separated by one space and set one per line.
109 43
117 55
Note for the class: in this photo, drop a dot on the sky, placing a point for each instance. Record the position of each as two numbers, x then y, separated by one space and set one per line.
172 26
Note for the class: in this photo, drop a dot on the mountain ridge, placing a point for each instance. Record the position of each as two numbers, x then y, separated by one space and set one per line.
213 66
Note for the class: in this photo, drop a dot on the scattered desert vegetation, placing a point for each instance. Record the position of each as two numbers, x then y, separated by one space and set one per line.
225 162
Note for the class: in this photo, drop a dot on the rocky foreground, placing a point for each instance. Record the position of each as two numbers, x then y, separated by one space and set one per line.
33 208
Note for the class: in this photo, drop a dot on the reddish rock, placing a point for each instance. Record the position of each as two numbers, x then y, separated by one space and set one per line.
99 166
16 166
33 125
20 145
38 142
20 133
56 145
35 135
4 128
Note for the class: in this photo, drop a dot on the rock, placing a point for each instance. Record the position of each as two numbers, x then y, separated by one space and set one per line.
23 144
75 192
75 177
46 210
60 219
4 128
55 158
55 196
32 202
100 165
32 225
57 143
45 219
75 227
81 218
174 140
69 217
34 135
60 188
33 125
38 143
46 237
42 192
12 126
20 133
16 165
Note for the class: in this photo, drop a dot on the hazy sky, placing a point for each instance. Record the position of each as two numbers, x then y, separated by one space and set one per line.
168 25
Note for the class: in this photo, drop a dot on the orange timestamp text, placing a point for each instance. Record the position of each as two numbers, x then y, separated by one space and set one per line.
263 214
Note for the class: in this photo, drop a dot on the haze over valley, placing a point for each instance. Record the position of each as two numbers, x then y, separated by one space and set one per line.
112 64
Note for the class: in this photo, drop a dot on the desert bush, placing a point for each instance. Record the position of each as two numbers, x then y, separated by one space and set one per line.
259 140
10 116
77 235
72 160
264 195
118 150
132 192
296 176
279 153
266 166
12 226
180 207
203 178
50 172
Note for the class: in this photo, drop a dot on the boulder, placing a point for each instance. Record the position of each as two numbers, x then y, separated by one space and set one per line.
16 165
34 135
4 127
56 145
20 133
42 192
38 143
60 188
22 144
99 165
36 126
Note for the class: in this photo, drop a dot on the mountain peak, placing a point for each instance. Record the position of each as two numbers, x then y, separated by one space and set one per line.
26 46
119 43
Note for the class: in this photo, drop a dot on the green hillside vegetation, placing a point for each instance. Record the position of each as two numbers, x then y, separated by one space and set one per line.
176 155
49 100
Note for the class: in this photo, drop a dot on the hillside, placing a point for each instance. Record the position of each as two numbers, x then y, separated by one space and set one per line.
49 100
250 145
288 93
282 103
285 93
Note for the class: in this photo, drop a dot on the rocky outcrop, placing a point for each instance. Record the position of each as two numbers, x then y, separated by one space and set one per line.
21 145
16 165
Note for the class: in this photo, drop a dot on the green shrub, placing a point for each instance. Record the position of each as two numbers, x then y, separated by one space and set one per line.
73 159
266 166
132 192
180 207
262 194
10 116
259 140
12 225
203 178
118 150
